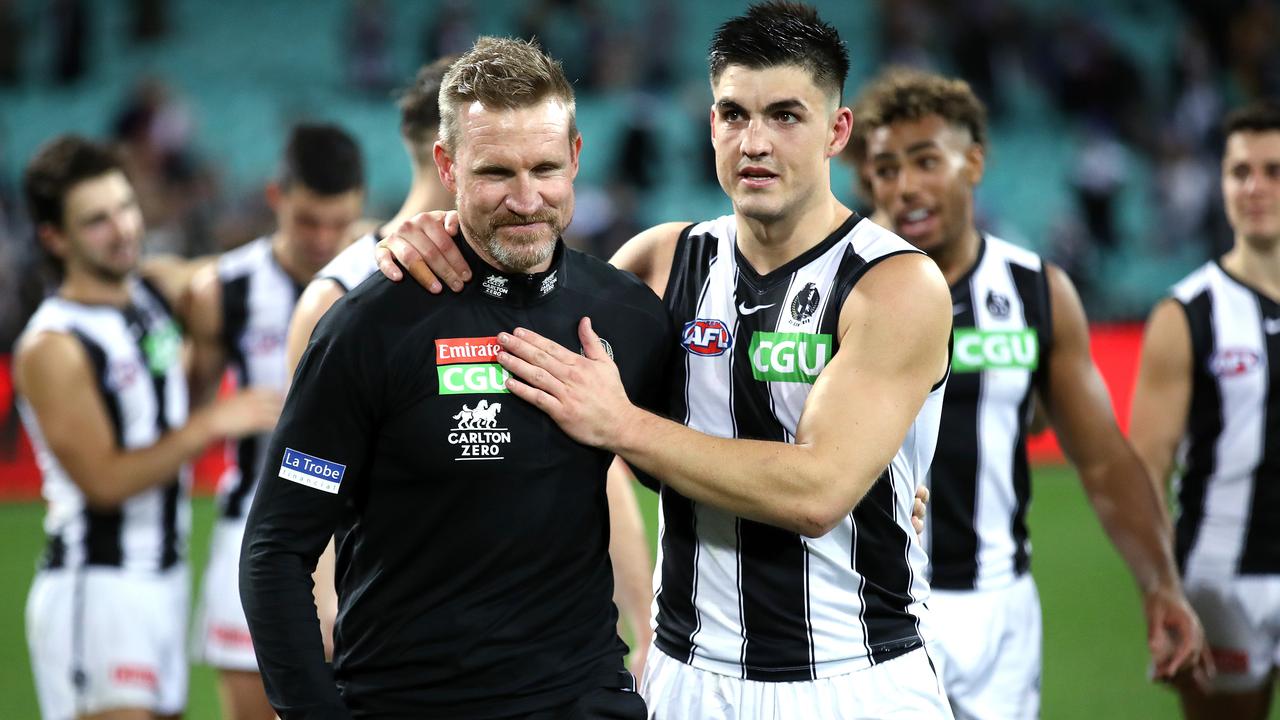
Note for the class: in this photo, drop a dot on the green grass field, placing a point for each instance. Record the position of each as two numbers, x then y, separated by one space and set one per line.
1094 644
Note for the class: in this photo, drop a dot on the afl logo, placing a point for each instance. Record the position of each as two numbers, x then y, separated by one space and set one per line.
1233 362
707 338
805 303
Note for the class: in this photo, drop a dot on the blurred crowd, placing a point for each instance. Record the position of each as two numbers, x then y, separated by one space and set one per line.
1139 114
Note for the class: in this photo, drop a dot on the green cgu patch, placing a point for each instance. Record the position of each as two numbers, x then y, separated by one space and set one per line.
976 350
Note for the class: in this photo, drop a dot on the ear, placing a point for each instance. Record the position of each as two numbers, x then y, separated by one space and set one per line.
446 167
275 196
713 122
840 130
575 150
52 239
975 163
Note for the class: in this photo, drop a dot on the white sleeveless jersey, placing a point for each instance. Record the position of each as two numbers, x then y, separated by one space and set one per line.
1228 492
976 529
258 298
744 598
353 265
135 356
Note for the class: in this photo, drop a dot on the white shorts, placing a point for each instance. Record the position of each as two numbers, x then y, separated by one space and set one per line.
904 688
989 644
1241 619
221 632
107 639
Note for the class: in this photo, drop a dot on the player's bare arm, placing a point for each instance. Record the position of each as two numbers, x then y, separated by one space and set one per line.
172 274
315 301
632 561
54 374
201 311
854 420
1162 394
1117 484
425 247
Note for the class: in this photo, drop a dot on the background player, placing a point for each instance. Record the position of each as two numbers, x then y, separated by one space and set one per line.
238 314
103 394
1206 393
919 146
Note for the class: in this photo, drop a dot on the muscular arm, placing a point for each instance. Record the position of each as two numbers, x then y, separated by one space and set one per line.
853 422
314 302
1162 395
1113 476
631 558
52 371
202 313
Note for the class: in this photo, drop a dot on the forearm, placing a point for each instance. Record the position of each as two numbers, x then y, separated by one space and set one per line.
791 486
630 555
276 591
108 482
1134 519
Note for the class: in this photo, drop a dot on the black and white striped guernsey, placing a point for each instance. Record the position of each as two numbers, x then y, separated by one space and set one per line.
258 298
135 356
1229 489
976 527
743 598
353 265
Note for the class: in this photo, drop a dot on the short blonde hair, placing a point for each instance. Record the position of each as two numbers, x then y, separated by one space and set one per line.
501 73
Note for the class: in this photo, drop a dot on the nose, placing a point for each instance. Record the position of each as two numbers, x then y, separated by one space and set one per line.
125 223
908 182
524 197
755 140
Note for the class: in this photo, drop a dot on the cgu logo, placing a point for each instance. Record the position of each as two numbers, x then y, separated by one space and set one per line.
1233 362
789 357
472 379
707 338
978 350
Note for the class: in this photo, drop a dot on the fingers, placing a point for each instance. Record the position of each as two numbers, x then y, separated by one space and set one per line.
435 242
535 397
404 246
531 342
591 345
922 494
386 265
531 373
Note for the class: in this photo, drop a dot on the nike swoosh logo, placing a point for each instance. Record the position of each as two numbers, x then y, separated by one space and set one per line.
744 310
1271 325
959 308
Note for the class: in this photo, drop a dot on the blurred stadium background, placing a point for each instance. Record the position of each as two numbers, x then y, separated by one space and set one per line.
1104 158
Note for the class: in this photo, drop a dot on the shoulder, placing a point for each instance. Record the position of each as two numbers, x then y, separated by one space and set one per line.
649 254
1198 282
380 308
903 287
351 266
605 284
49 353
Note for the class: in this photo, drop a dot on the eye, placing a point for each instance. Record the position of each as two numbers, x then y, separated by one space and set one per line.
886 172
1240 172
731 115
787 118
928 162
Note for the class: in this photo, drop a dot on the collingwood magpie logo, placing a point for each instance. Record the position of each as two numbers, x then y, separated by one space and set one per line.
805 304
495 285
997 305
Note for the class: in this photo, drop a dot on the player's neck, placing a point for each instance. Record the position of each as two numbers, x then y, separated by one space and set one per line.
89 289
957 258
425 194
770 245
300 275
1256 263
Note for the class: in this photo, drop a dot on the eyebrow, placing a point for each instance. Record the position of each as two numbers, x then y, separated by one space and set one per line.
911 149
773 107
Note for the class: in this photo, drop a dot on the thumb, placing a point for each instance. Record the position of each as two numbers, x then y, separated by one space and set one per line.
592 346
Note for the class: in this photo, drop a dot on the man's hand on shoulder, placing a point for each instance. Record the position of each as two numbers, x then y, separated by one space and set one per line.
424 246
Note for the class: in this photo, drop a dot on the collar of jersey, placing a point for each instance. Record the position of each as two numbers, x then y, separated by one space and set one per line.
513 288
762 282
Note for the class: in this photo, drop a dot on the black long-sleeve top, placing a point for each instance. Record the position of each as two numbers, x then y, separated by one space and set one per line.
472 534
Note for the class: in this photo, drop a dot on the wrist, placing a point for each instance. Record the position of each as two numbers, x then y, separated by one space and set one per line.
626 430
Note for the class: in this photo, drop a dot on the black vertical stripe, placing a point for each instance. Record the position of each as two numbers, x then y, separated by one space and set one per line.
953 478
774 606
1261 552
102 527
891 628
847 273
235 319
677 618
1204 426
1032 288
